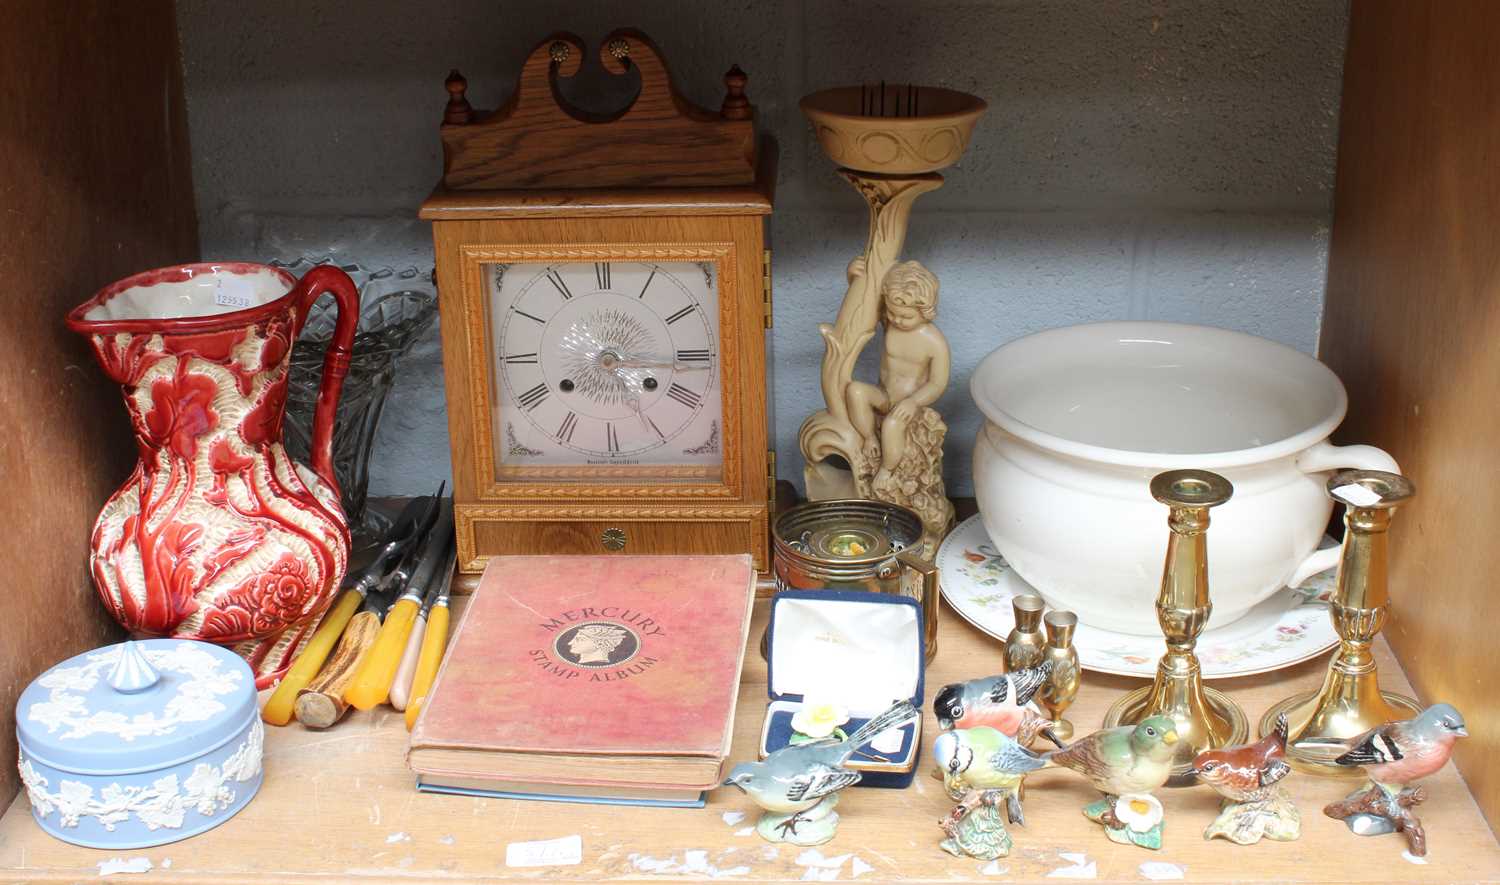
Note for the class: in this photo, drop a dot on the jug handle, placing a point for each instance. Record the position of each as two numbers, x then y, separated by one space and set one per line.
315 283
1325 457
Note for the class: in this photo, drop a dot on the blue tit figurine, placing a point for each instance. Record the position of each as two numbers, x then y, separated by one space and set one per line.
1002 702
980 767
798 784
1395 755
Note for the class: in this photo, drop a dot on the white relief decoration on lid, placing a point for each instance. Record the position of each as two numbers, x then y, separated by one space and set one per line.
196 698
208 789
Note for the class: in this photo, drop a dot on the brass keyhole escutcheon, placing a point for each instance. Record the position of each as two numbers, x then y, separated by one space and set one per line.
613 539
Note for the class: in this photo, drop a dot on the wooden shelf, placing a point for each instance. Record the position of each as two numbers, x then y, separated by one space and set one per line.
340 805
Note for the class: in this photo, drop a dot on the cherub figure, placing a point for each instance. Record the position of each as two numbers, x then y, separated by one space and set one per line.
914 365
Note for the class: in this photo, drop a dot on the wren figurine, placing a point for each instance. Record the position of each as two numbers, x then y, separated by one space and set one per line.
1247 777
1395 755
798 785
981 767
1125 764
1004 703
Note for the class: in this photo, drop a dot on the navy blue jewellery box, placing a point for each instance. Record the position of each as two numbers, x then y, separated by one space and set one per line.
861 651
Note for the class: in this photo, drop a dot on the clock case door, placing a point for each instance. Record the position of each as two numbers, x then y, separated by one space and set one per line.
724 515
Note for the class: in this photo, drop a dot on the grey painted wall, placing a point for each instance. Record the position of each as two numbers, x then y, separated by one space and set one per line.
1144 160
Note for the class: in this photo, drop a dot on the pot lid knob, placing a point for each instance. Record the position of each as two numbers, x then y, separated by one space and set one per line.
133 673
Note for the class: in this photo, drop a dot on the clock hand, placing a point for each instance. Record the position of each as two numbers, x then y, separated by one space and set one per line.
675 365
635 403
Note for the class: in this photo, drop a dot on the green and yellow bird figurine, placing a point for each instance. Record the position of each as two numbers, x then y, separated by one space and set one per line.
981 767
1125 764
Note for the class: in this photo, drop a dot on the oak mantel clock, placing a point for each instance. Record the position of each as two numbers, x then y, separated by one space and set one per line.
604 289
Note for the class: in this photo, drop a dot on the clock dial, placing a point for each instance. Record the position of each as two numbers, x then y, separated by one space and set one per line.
605 363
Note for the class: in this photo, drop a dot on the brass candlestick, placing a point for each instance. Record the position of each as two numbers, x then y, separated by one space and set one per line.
1206 719
1350 701
1061 688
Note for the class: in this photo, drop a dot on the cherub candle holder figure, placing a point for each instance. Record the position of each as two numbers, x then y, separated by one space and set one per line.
1061 688
1395 755
889 143
981 768
1248 777
798 784
1004 703
1125 764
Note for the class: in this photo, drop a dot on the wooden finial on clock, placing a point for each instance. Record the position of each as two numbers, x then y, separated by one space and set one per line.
736 106
458 112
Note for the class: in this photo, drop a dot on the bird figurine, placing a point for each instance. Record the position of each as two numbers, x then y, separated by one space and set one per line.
1125 764
987 759
981 767
1247 778
797 785
1395 755
1249 772
1002 702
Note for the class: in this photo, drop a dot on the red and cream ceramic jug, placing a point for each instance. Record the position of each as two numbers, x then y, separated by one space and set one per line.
219 535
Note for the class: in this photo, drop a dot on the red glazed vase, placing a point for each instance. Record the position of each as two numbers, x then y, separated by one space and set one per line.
219 535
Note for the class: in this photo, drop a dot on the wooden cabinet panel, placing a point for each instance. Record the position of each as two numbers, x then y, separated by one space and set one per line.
1413 327
96 186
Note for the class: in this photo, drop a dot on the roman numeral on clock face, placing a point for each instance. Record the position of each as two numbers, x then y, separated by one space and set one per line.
611 438
684 396
693 355
601 274
565 430
517 359
680 314
647 285
655 428
556 280
533 397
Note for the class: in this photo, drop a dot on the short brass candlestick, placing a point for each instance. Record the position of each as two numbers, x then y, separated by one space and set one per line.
1350 701
1206 719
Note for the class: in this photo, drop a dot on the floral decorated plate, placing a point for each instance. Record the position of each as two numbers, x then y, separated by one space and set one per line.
1286 629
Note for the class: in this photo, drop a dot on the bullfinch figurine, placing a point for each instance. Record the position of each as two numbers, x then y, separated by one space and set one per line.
1395 755
798 784
1247 778
980 767
1125 764
1002 702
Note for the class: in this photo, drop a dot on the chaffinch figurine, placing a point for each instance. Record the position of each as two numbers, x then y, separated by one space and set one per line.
1395 755
1125 764
797 784
1247 777
1002 702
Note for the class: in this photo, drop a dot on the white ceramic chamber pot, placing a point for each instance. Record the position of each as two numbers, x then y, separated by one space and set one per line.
1079 419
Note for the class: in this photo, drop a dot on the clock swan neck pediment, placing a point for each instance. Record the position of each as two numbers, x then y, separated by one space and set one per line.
539 140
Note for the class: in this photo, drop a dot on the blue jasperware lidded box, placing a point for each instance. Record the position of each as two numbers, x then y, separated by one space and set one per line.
141 743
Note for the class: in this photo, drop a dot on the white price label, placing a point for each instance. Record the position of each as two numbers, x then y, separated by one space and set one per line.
235 292
1357 495
563 852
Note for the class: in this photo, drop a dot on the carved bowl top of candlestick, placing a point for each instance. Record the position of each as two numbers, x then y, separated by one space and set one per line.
893 128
